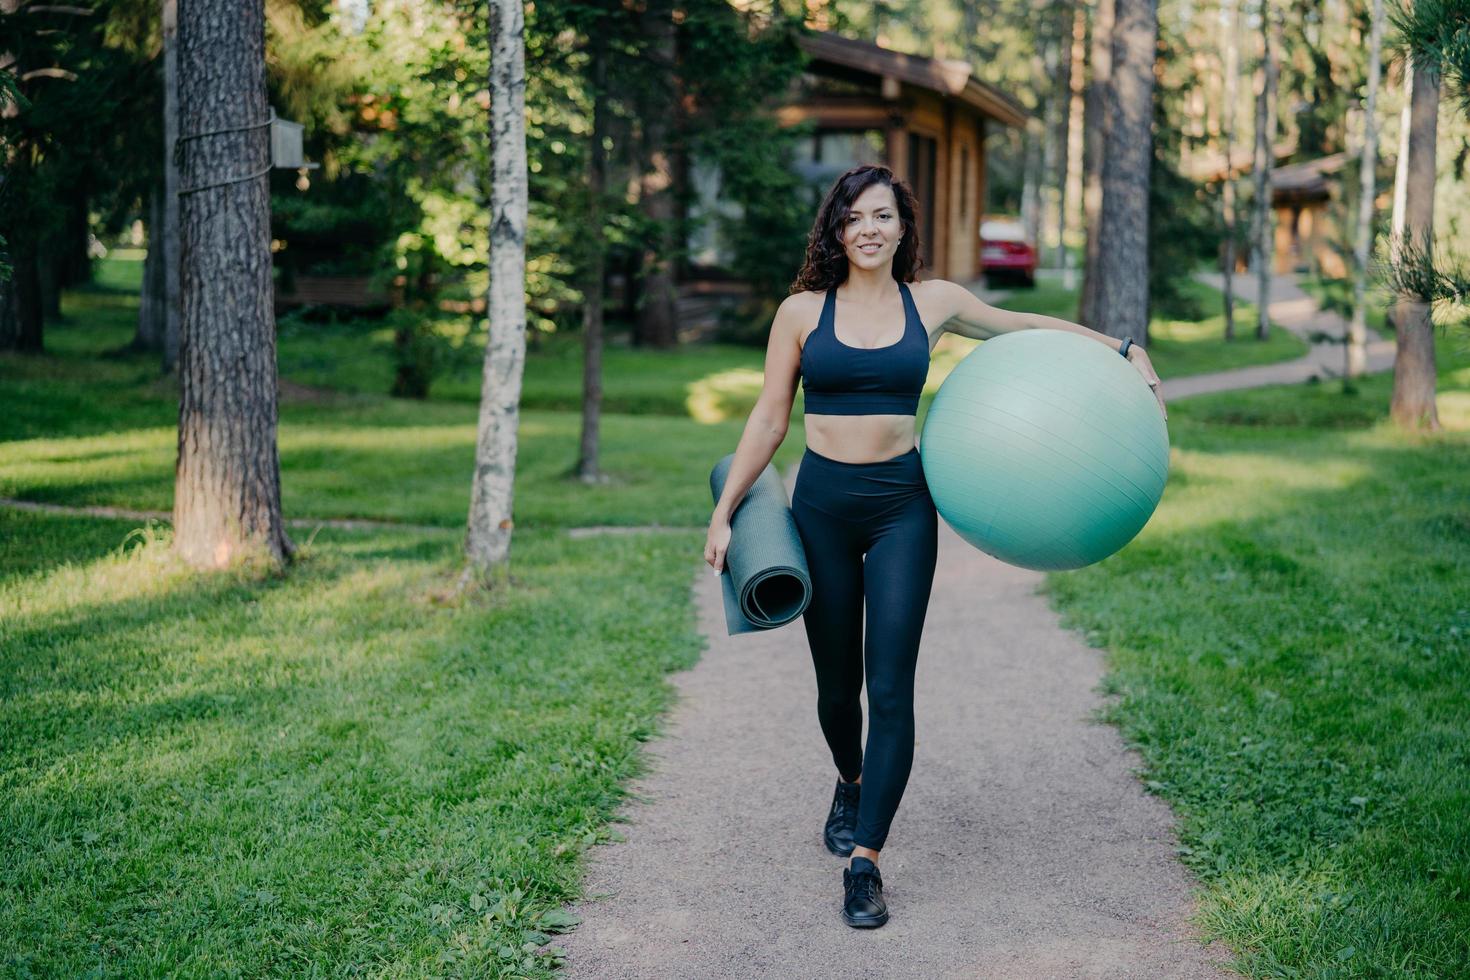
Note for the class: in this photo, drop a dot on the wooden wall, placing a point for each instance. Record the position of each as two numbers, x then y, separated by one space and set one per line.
955 128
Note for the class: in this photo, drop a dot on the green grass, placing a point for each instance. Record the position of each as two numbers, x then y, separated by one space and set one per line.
318 774
324 772
328 772
694 381
79 428
1288 644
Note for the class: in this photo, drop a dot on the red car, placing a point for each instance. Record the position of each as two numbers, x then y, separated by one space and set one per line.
1005 253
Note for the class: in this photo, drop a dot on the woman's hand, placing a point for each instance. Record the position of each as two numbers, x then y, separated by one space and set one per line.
1138 357
717 543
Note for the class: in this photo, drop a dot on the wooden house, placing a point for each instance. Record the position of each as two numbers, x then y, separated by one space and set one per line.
925 118
1307 205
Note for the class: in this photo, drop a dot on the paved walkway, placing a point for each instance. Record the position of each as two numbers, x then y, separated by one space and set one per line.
1296 311
1024 846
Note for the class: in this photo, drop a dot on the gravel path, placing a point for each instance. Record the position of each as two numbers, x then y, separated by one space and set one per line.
1024 846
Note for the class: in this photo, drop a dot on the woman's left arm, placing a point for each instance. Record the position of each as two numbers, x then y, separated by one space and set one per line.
972 317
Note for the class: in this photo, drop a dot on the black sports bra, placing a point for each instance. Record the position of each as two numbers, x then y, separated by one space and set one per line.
837 379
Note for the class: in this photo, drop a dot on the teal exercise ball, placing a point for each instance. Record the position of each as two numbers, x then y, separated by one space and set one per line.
1045 449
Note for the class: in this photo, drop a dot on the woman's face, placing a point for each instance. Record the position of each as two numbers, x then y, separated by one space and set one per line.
871 232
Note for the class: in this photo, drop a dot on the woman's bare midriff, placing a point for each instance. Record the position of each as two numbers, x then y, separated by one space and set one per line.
860 438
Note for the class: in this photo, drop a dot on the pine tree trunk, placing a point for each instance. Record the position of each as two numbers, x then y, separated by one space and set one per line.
587 463
1095 137
1414 373
169 237
7 314
21 328
1055 153
487 545
149 335
24 305
1355 350
1035 136
1122 265
50 262
1262 231
227 491
25 274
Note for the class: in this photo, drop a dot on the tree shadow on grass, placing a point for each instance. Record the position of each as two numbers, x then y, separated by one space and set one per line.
295 760
199 647
32 542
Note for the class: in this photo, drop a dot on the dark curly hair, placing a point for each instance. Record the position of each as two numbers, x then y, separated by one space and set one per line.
826 259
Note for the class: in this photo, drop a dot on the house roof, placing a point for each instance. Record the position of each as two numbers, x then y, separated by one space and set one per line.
1211 166
948 76
1307 177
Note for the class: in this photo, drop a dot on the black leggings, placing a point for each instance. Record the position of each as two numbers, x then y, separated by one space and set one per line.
883 510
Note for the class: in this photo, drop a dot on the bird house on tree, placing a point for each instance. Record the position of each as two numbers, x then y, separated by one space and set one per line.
286 148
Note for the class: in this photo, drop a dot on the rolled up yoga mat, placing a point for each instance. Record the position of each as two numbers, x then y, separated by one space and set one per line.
764 577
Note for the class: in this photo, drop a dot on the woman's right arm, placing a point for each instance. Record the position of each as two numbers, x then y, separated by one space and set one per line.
766 427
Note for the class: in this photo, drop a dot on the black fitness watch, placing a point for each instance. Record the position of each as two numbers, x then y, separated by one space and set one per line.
1127 342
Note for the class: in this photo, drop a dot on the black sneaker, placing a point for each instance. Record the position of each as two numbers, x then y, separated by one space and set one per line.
862 895
842 818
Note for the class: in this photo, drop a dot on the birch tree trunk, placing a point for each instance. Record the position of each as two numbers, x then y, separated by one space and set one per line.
1401 162
1095 134
587 462
1075 99
1401 167
1355 351
1414 374
1227 190
227 489
487 545
1261 225
1122 264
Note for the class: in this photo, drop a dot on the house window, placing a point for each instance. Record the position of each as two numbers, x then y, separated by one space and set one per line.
823 156
819 157
708 244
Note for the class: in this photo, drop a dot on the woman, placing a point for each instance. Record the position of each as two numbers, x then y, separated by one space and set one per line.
860 503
